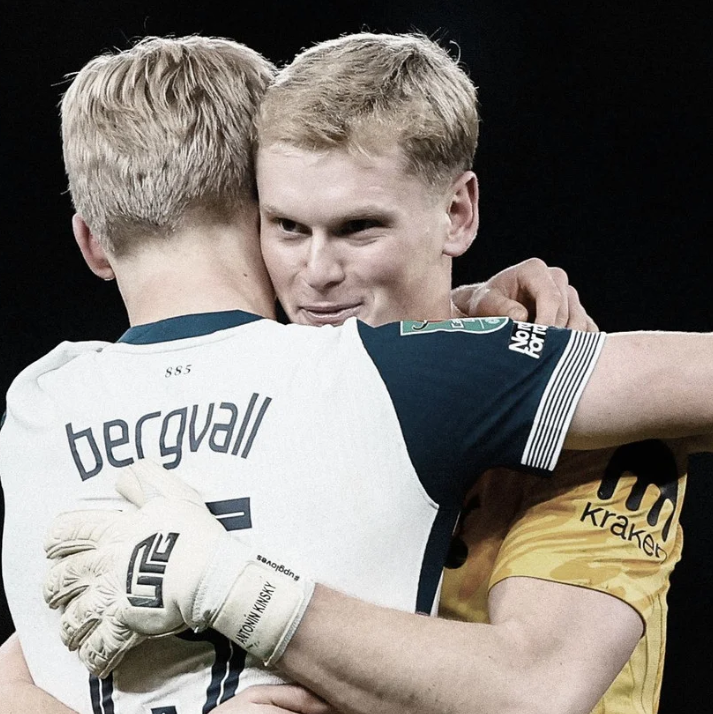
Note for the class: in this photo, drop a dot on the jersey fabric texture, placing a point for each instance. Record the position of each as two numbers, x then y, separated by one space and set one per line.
606 520
347 452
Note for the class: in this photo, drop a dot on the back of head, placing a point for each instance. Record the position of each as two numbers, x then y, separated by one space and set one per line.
367 92
162 134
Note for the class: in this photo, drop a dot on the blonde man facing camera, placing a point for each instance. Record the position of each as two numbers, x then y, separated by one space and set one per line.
381 131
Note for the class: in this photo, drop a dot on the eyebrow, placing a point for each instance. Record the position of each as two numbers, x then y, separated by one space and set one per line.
270 210
360 213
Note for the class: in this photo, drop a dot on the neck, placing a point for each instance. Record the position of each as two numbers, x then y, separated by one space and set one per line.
197 270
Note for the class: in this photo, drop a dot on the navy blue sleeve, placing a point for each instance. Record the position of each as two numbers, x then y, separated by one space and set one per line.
476 393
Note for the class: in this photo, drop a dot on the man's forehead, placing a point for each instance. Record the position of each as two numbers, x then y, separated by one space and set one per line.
366 156
365 180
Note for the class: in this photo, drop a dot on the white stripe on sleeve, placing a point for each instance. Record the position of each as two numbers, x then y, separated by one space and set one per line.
560 399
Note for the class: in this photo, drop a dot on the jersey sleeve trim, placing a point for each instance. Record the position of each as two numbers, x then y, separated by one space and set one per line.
560 399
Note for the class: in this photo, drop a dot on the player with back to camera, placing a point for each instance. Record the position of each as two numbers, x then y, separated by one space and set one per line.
321 592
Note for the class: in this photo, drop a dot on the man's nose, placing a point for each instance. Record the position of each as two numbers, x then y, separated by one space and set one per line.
323 268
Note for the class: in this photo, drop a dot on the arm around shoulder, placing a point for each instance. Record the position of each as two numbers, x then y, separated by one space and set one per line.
393 662
646 385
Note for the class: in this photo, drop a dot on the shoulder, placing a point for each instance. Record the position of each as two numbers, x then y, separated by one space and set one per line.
28 395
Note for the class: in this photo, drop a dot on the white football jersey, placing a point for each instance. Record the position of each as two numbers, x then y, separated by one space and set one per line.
343 452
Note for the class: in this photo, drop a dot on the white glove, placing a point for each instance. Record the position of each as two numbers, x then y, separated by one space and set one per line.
123 577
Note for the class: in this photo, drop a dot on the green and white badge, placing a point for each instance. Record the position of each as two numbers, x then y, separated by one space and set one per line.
474 325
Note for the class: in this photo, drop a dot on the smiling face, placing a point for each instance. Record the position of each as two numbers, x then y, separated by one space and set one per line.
350 234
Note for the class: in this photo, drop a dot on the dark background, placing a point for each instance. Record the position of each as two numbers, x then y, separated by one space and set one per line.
595 156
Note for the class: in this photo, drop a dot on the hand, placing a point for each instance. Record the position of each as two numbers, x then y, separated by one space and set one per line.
528 291
276 699
123 577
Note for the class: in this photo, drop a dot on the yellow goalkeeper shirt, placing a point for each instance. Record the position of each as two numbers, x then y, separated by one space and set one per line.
606 520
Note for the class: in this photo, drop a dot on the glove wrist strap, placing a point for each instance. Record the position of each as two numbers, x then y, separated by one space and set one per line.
261 607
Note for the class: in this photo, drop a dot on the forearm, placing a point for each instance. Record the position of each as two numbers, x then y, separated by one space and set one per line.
364 659
23 697
387 662
646 385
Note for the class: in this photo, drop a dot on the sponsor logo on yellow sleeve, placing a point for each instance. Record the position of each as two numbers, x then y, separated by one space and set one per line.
638 497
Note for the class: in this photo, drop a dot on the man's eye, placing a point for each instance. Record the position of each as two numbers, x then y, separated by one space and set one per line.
289 226
360 225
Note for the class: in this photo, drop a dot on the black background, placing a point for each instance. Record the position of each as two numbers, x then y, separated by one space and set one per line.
595 156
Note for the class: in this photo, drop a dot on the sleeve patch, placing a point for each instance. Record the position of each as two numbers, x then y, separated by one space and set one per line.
473 325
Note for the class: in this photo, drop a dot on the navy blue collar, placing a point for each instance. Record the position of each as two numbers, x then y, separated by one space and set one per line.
183 326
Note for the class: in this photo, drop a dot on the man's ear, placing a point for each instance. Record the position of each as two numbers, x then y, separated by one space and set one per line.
93 253
462 214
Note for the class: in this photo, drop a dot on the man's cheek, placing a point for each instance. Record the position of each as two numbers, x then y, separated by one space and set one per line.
277 268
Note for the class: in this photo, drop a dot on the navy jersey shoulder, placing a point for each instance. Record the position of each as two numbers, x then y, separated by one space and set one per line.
477 393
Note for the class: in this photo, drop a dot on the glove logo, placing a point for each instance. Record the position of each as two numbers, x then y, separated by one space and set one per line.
144 584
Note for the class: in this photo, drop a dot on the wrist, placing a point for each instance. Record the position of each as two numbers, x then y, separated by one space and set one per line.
252 600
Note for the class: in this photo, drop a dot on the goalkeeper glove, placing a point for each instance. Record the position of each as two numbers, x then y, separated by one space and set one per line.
123 577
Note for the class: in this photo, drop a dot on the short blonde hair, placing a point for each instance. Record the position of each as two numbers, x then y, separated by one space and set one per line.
160 133
360 90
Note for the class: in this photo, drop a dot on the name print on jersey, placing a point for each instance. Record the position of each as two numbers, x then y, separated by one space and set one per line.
120 442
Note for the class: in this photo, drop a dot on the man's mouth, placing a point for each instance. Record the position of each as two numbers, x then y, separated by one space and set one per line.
329 314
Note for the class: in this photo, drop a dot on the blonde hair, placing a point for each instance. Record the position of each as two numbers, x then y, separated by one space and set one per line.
162 133
364 91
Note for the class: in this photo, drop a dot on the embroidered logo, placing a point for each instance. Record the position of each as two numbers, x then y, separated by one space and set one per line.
473 325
